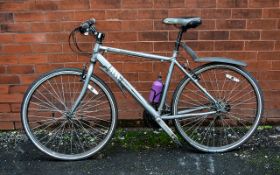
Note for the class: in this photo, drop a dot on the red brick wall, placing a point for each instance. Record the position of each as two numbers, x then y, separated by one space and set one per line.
33 40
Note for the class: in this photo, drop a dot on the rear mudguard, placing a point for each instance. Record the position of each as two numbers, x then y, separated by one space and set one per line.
211 59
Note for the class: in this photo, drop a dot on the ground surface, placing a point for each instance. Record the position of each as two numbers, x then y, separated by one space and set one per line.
145 152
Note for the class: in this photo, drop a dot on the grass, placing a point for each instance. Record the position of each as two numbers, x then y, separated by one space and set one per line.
141 139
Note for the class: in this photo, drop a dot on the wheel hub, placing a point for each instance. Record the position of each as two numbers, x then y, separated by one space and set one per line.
223 107
69 115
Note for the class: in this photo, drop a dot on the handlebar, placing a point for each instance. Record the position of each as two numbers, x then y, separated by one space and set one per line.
88 28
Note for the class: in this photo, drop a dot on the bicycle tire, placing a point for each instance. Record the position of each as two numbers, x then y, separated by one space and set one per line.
224 128
81 135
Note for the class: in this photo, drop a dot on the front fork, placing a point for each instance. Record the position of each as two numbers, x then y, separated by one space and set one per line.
84 89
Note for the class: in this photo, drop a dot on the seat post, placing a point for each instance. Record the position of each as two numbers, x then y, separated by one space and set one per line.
179 37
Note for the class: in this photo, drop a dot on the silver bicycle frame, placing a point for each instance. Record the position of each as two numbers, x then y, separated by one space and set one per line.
120 80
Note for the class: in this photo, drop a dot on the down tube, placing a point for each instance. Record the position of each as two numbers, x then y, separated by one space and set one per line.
120 79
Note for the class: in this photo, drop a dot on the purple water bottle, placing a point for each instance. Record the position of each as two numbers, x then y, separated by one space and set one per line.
156 90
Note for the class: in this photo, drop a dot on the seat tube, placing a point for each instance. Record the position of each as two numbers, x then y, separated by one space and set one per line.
167 82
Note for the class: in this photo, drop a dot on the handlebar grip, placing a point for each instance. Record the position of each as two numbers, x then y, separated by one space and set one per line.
85 26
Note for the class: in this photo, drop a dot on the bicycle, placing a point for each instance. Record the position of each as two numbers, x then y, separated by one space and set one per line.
71 114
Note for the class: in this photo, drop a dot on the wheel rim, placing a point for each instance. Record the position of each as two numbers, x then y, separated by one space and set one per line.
229 128
57 132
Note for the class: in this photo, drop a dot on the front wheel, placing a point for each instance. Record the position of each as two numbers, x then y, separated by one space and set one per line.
54 130
241 101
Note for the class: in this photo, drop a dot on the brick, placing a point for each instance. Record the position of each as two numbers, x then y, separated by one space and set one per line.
57 37
270 55
215 13
46 48
262 24
17 89
229 45
15 28
137 67
271 75
147 76
13 5
15 107
12 49
163 46
246 13
231 24
207 25
4 89
137 4
139 25
73 5
9 79
121 14
121 36
6 38
153 36
262 3
33 59
169 3
8 59
30 38
61 58
200 4
5 108
275 65
109 26
59 16
153 14
259 45
137 46
190 35
271 35
105 4
46 27
159 25
277 45
244 35
2 69
29 17
20 69
232 3
6 125
271 13
43 68
28 79
6 117
6 17
201 45
11 98
259 66
84 15
184 12
213 35
44 5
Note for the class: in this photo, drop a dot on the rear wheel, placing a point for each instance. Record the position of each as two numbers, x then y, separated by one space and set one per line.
240 97
54 130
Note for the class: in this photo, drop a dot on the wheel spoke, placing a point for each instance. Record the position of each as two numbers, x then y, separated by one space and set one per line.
236 93
55 130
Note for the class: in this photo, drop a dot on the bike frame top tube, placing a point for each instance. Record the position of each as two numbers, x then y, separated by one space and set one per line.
172 60
133 53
